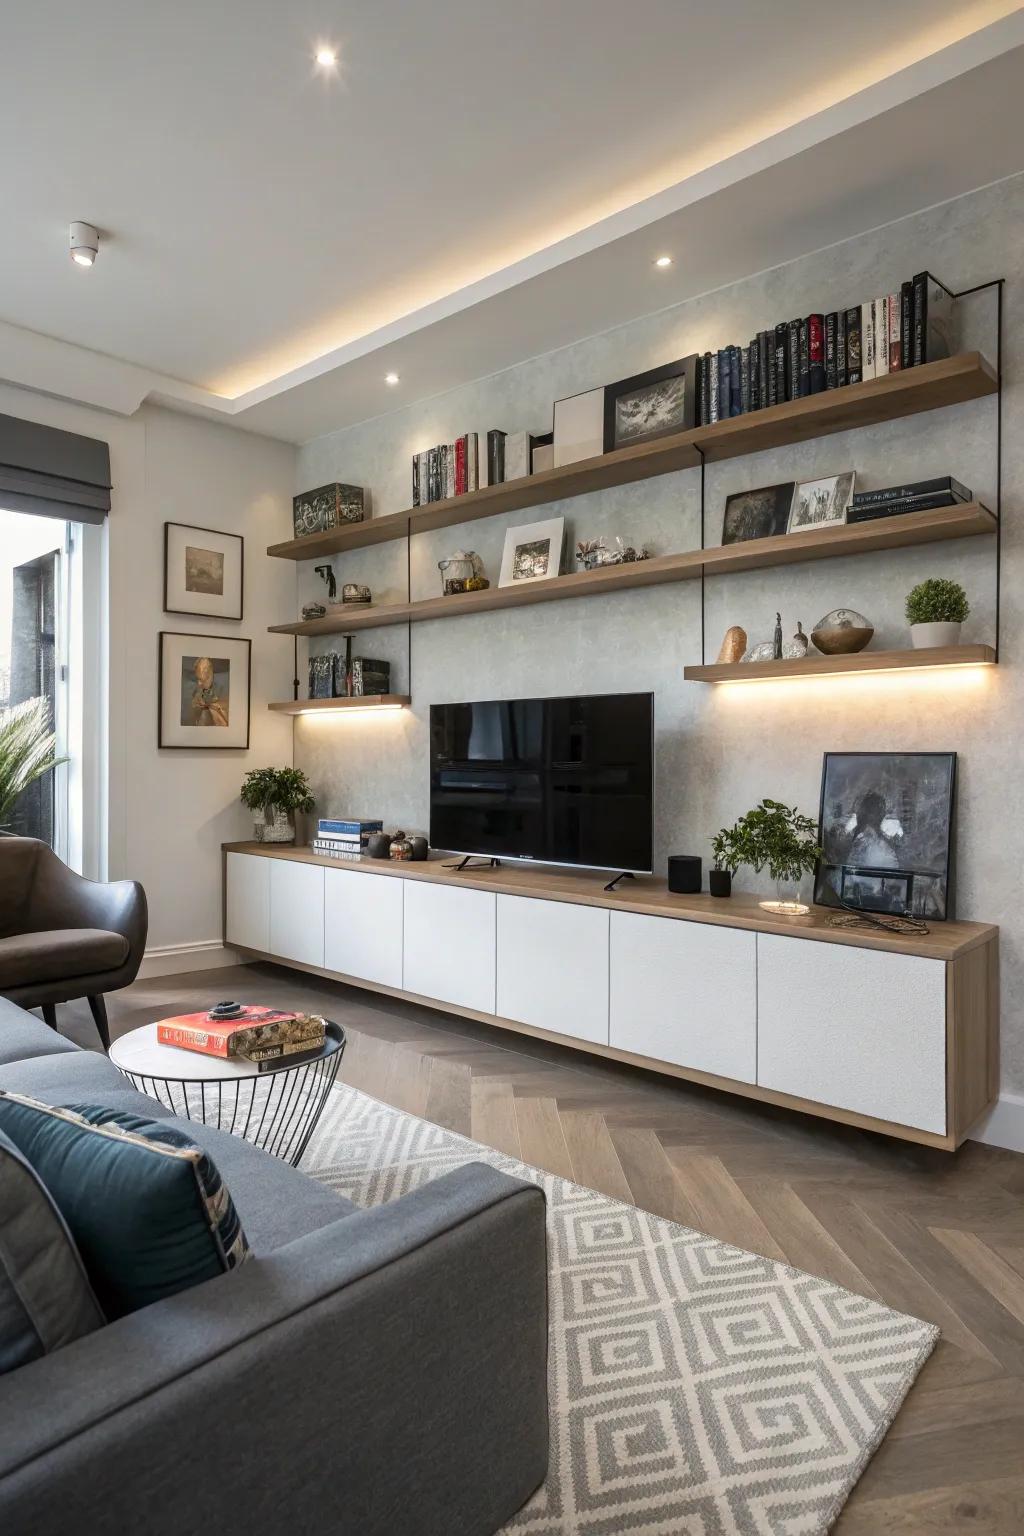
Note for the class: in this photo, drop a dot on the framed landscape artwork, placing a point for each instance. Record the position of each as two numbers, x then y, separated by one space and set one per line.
652 404
818 503
886 828
203 571
203 691
532 552
758 514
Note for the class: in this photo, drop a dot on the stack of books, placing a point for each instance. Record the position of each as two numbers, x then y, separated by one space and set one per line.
344 837
450 469
920 496
827 351
265 1036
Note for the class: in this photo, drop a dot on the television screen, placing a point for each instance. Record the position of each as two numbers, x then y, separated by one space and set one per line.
557 781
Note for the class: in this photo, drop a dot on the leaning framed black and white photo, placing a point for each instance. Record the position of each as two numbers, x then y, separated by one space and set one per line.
652 404
203 571
886 830
533 552
203 691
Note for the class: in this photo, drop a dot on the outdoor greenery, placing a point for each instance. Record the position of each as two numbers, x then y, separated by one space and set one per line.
937 601
27 751
286 789
772 835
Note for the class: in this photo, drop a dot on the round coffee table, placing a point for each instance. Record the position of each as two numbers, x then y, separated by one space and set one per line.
277 1109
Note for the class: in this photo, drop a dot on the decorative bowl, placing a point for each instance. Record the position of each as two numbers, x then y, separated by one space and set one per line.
842 632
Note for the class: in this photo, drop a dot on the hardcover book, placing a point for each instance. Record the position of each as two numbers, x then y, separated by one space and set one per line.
915 488
805 357
495 456
867 511
705 390
783 382
254 1027
735 383
854 353
714 388
724 385
815 354
832 351
880 320
744 381
793 359
907 325
764 351
517 455
867 340
755 375
895 346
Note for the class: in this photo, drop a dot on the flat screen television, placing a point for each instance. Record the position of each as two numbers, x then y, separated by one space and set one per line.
552 781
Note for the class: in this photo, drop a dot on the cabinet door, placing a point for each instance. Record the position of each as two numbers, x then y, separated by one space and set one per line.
685 993
448 949
862 1029
247 914
553 966
363 925
297 911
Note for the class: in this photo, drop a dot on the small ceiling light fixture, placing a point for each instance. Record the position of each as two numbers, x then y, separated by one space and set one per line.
326 57
663 261
391 378
85 243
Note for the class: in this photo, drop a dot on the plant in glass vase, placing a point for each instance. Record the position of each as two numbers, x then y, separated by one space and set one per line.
274 795
779 838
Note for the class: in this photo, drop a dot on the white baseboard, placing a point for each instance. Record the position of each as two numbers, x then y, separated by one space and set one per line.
1004 1125
173 959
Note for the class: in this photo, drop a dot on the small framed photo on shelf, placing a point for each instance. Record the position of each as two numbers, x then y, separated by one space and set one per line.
203 691
819 503
533 552
758 514
650 405
327 507
579 428
203 571
886 830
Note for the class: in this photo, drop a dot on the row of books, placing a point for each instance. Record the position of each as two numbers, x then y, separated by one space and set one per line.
920 496
344 837
266 1037
827 351
450 469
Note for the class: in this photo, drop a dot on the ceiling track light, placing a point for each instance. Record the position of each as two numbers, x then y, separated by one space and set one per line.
84 243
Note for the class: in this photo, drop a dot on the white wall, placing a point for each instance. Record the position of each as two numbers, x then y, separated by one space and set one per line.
169 811
720 751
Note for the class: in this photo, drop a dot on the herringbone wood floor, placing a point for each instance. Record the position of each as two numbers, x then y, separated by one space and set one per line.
938 1235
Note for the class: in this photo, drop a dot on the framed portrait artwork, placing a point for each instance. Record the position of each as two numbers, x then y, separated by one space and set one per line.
203 571
532 552
821 503
203 691
652 404
886 828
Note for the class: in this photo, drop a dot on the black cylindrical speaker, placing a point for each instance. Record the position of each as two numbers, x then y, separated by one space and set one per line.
684 874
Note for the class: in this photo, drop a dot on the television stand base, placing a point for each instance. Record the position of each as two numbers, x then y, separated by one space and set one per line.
467 863
626 875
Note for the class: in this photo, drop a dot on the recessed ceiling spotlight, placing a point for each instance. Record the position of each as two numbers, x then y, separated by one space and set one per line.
391 378
326 57
85 243
663 261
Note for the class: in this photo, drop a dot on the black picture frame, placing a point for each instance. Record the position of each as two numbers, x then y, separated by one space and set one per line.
204 613
194 746
929 884
684 368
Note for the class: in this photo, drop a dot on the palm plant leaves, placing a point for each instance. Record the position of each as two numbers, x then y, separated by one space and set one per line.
27 751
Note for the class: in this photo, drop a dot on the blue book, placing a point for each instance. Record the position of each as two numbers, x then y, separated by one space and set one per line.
354 827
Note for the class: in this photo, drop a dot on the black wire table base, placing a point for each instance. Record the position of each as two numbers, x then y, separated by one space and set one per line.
277 1110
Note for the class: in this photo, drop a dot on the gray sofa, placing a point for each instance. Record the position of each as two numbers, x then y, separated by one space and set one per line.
368 1372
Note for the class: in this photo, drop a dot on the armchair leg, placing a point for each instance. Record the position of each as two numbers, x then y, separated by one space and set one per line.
98 1009
49 1012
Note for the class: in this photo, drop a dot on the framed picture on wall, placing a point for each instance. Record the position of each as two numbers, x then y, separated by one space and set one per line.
886 828
652 404
203 691
203 571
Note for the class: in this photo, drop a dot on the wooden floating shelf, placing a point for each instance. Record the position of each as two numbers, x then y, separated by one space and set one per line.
959 522
907 392
374 701
831 666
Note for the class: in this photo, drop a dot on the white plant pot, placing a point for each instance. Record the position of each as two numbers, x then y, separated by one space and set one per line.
924 636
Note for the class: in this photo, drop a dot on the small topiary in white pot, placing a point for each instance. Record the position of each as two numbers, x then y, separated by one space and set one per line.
935 611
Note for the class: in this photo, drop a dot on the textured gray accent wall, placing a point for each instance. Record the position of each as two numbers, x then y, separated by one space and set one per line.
720 749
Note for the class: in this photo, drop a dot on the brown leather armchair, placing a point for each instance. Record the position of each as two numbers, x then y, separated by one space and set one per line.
63 937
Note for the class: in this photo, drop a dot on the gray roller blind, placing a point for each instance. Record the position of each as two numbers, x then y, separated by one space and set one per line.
53 473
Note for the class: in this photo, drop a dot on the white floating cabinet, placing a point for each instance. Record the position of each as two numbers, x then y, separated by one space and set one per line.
553 966
247 901
860 1029
297 911
685 993
449 949
363 926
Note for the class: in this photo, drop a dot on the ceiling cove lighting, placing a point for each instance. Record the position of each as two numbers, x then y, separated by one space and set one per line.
84 243
663 261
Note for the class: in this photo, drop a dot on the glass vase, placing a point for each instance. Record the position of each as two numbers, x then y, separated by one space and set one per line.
786 901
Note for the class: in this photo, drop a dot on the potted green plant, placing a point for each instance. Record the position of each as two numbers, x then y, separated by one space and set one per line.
935 611
27 751
727 862
776 837
274 795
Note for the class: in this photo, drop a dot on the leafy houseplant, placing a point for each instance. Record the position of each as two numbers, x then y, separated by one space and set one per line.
935 611
27 751
274 795
775 836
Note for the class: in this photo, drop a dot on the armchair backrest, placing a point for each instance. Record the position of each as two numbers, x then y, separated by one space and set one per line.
19 863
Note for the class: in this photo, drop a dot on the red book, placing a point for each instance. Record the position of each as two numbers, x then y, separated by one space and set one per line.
816 352
225 1037
460 466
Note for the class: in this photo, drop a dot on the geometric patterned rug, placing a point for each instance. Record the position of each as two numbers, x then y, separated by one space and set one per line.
695 1389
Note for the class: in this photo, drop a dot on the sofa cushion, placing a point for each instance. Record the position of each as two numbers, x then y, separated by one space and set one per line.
64 1076
59 953
22 1035
147 1209
45 1296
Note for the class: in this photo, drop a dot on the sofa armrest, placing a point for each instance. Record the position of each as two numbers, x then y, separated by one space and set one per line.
386 1373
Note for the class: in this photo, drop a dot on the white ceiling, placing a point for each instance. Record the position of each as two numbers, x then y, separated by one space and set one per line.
482 181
